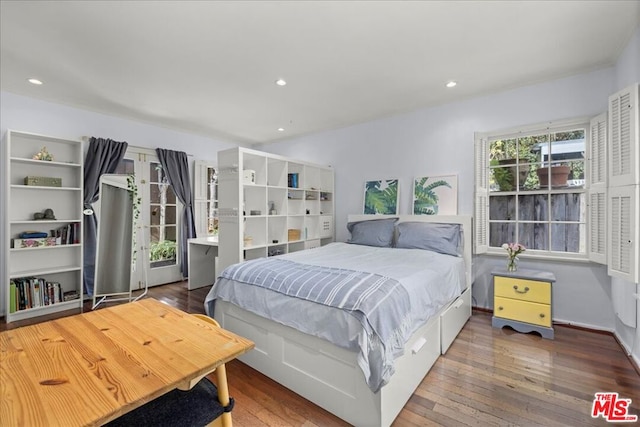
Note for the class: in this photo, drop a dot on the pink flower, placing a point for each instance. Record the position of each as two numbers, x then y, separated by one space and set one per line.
513 249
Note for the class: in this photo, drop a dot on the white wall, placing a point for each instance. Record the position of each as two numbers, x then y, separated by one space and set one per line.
438 141
36 116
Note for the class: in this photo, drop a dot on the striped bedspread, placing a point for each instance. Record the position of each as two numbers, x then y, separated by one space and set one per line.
381 304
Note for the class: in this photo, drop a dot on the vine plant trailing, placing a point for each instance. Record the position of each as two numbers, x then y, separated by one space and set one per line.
136 200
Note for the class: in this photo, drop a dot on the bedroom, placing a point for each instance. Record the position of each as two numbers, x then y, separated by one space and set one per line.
451 124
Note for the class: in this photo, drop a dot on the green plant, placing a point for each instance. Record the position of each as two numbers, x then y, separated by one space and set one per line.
502 176
162 250
426 200
136 200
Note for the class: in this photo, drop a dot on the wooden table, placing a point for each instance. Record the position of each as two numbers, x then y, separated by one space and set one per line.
93 367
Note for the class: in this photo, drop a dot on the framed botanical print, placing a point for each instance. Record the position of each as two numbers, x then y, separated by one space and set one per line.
381 197
435 195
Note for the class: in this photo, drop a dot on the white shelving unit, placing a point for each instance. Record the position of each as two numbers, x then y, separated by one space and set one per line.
269 213
61 263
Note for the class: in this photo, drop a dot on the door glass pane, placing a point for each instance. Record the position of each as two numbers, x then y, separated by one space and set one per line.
126 167
162 210
162 216
162 193
163 246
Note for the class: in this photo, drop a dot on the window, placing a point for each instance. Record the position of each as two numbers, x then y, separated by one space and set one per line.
531 189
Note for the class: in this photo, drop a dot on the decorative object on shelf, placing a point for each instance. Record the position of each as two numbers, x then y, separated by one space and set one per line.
272 209
249 176
255 212
34 243
559 175
47 214
43 154
293 234
292 180
32 234
381 197
435 195
513 250
43 181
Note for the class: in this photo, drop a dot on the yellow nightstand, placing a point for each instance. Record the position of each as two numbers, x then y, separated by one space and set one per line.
523 300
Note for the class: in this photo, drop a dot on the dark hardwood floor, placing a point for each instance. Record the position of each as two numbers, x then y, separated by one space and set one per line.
488 377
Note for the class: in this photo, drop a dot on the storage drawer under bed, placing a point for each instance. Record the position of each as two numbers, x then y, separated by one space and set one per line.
453 319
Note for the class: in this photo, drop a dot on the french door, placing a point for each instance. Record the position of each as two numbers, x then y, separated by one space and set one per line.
157 258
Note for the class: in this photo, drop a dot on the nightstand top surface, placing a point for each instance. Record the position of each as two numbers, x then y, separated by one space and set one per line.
523 273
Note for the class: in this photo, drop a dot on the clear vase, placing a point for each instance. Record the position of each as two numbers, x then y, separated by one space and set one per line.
512 265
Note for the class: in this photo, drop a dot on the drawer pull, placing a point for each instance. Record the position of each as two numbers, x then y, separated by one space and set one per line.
501 308
526 289
418 345
542 315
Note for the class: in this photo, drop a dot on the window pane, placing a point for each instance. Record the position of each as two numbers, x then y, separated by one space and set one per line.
501 232
568 207
533 207
160 216
567 145
568 237
534 235
502 208
503 149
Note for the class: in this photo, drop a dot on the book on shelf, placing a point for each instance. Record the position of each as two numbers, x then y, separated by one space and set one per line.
13 297
34 292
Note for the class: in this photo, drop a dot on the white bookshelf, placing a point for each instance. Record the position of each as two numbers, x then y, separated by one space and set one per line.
61 263
269 215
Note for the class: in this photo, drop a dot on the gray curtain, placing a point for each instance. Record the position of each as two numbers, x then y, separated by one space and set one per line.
176 167
103 157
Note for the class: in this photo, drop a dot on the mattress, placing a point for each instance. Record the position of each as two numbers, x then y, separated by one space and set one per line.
432 280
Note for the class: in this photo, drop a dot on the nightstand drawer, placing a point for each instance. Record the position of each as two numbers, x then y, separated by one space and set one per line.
522 289
530 312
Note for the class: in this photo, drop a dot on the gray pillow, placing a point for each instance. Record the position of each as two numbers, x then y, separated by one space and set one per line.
376 232
432 236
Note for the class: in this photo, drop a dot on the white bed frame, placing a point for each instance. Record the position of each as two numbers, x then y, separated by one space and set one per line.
328 375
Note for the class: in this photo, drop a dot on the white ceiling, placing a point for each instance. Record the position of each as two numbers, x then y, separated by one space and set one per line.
209 67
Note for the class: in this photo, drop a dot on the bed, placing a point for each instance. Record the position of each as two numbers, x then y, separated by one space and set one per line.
324 357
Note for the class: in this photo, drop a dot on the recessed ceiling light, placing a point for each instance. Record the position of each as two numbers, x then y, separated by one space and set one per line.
34 81
281 82
451 84
280 129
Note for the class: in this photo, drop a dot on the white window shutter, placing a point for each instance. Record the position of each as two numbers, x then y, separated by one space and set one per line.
481 217
624 137
622 257
598 226
597 192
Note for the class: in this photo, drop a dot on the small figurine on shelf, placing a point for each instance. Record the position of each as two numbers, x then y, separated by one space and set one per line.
43 154
46 214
